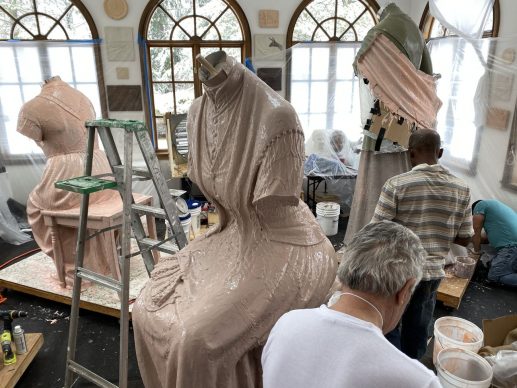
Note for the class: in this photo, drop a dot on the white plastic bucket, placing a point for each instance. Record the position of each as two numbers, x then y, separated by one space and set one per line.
327 214
196 218
185 223
460 368
452 332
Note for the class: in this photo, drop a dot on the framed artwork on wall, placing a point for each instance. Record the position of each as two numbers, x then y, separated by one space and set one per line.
269 46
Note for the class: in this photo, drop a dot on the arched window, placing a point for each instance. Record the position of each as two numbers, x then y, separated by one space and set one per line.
460 65
175 32
40 39
326 35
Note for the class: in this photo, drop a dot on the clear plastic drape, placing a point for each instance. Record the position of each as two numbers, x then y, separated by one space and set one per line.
25 67
465 18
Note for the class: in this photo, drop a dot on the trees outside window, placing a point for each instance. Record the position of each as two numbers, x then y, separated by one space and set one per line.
175 32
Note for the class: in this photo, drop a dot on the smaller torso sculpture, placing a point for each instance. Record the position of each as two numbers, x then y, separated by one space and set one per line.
204 314
55 121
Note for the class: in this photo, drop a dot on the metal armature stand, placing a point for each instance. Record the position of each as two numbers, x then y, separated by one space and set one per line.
86 185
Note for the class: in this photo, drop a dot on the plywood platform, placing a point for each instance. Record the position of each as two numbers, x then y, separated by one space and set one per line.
452 289
35 275
10 374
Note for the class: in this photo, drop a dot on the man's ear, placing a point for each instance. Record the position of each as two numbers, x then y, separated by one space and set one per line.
440 153
404 294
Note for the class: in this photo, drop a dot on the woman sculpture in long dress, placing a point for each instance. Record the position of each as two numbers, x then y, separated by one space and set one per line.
55 121
201 319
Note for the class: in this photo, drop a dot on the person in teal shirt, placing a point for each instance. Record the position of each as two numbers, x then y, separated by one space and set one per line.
500 224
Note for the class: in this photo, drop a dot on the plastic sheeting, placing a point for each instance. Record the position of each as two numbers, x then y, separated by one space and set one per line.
475 121
465 18
477 87
25 66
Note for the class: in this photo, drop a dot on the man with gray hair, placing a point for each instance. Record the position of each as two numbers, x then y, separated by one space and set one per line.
343 345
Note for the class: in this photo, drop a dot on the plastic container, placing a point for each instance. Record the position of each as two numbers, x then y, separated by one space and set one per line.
185 223
194 208
452 332
464 267
460 368
327 214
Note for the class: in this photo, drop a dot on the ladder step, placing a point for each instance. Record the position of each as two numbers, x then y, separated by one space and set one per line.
138 171
128 125
149 210
85 184
165 247
99 279
89 375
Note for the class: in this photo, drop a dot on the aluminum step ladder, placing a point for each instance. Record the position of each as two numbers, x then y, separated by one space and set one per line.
123 173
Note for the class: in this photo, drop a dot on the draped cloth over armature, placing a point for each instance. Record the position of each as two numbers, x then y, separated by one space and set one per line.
404 90
202 317
55 121
395 61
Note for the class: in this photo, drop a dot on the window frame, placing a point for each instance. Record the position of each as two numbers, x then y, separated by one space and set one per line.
195 45
371 6
14 159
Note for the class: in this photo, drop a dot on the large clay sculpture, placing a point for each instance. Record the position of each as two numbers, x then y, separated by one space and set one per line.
203 316
395 61
55 121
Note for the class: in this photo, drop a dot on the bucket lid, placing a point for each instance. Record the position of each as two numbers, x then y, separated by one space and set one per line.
328 206
181 205
192 204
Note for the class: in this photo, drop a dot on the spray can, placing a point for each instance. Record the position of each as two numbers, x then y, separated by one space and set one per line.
19 340
5 340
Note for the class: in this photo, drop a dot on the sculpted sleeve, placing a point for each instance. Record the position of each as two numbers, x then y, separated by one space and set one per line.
28 126
281 168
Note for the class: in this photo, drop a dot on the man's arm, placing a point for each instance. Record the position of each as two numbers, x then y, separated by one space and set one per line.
386 208
478 220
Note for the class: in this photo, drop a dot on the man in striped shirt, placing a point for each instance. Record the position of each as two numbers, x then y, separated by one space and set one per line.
434 204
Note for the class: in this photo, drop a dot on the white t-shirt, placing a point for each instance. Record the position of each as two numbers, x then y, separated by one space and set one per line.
321 347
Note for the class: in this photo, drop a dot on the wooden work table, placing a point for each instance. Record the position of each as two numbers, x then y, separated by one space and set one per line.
10 374
452 288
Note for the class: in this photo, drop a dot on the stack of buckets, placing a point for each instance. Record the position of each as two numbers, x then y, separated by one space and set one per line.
456 342
327 214
194 208
189 220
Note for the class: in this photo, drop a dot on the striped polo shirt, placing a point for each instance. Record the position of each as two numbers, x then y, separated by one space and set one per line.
434 204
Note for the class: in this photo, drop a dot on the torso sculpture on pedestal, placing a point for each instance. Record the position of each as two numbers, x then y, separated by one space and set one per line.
55 121
205 313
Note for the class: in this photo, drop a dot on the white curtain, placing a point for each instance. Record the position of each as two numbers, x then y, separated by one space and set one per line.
466 18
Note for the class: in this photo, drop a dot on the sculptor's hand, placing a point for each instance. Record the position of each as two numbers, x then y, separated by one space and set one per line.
473 253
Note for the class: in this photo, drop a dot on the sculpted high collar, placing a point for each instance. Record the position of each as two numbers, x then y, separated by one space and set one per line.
225 86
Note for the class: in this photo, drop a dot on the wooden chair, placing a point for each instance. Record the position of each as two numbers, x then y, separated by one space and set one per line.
100 216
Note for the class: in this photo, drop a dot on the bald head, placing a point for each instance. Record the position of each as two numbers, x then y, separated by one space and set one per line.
424 147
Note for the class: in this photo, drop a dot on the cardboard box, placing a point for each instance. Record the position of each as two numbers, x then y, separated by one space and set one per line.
398 131
496 330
